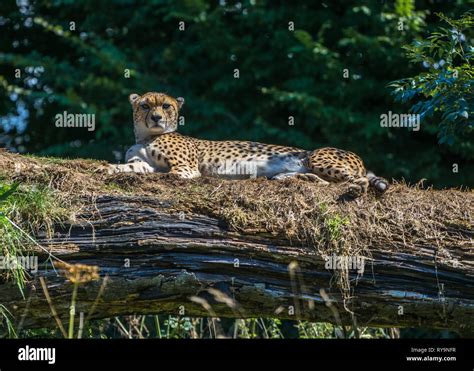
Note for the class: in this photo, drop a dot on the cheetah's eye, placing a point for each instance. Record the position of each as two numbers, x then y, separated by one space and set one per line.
145 106
166 105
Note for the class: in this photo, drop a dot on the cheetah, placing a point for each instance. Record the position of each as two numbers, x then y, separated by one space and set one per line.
160 148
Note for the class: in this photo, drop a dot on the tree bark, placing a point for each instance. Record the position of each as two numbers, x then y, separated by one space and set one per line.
162 262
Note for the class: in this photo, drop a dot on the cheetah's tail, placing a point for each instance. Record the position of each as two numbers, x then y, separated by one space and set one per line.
380 184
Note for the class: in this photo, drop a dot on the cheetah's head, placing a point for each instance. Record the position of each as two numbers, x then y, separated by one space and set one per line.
155 113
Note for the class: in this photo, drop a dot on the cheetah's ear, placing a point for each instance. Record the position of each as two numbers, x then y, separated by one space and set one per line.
133 98
180 101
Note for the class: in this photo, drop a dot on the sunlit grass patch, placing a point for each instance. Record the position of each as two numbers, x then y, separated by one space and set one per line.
24 210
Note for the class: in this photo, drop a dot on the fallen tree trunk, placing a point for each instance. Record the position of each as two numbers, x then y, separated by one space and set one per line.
161 260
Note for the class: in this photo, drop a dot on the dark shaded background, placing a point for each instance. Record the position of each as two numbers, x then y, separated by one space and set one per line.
283 73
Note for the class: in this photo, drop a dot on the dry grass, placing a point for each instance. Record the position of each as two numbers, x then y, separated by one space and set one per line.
405 218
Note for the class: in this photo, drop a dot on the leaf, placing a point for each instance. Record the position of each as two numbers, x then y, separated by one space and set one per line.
10 190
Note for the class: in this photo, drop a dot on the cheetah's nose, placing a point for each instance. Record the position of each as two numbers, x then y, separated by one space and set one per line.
156 118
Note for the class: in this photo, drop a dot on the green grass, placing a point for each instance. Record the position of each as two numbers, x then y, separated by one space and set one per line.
335 225
177 327
24 210
6 323
34 207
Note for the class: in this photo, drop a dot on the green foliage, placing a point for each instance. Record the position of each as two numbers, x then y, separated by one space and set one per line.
176 327
35 207
24 210
447 87
156 326
11 240
6 191
335 225
6 323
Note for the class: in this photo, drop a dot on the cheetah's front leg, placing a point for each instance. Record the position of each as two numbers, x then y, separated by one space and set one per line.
137 161
132 167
